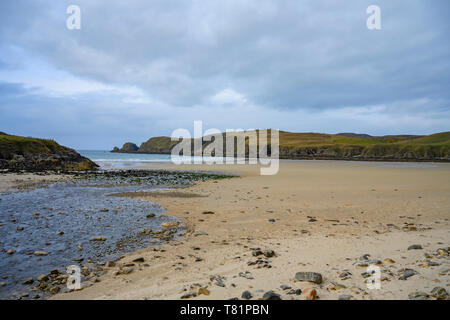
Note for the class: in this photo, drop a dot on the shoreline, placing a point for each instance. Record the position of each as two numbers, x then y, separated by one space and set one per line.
385 209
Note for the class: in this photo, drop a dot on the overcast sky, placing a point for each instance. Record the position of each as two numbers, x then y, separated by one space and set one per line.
138 69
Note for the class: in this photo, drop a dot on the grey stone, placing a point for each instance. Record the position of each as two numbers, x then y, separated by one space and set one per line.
309 276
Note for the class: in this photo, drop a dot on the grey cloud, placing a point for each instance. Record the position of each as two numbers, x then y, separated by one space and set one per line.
282 56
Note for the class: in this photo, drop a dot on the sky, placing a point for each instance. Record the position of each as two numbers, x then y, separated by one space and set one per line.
137 69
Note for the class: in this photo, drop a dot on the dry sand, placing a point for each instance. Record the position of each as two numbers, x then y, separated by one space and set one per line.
327 214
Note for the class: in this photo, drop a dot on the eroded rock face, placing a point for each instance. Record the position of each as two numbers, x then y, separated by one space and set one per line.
23 153
128 147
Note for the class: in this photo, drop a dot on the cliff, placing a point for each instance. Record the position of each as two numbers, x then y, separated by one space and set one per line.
345 146
23 153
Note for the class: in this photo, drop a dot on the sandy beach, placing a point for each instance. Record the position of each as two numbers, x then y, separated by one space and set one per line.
316 216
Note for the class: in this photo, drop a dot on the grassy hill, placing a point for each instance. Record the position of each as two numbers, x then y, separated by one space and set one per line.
435 147
24 153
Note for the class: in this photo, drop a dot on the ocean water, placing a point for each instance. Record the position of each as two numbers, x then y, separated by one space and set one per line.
110 160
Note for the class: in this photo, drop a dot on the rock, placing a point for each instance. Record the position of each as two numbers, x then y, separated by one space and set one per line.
309 276
345 297
110 264
104 210
203 291
188 295
256 252
285 287
28 281
310 294
389 260
345 275
42 278
418 296
270 295
127 270
218 280
272 220
208 212
336 286
11 251
439 293
19 228
139 260
172 224
269 253
151 215
295 291
246 295
40 253
2 284
407 273
415 247
246 275
99 238
54 290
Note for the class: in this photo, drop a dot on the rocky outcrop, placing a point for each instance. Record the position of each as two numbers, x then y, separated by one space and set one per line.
128 147
345 146
162 145
32 154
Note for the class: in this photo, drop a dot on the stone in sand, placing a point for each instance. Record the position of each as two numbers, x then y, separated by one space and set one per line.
188 295
40 253
247 295
310 294
345 297
407 273
98 239
439 293
172 224
28 281
415 247
309 276
270 295
139 260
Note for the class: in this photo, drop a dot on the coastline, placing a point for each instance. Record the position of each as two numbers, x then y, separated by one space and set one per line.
354 208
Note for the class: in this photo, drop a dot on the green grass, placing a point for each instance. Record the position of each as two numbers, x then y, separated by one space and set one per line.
21 145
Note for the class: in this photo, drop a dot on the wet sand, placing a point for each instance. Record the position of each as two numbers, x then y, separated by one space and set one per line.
319 216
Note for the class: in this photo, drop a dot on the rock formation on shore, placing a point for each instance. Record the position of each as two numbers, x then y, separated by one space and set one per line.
344 146
128 147
23 153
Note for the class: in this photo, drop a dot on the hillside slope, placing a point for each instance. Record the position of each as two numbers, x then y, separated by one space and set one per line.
23 153
435 147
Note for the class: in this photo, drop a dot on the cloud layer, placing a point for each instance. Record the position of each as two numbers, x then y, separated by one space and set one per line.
137 69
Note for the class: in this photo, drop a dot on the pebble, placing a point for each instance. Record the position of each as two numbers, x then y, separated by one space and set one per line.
407 273
415 247
189 294
40 253
439 293
310 294
172 224
203 291
270 295
345 297
42 278
28 281
98 238
295 291
309 276
247 295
